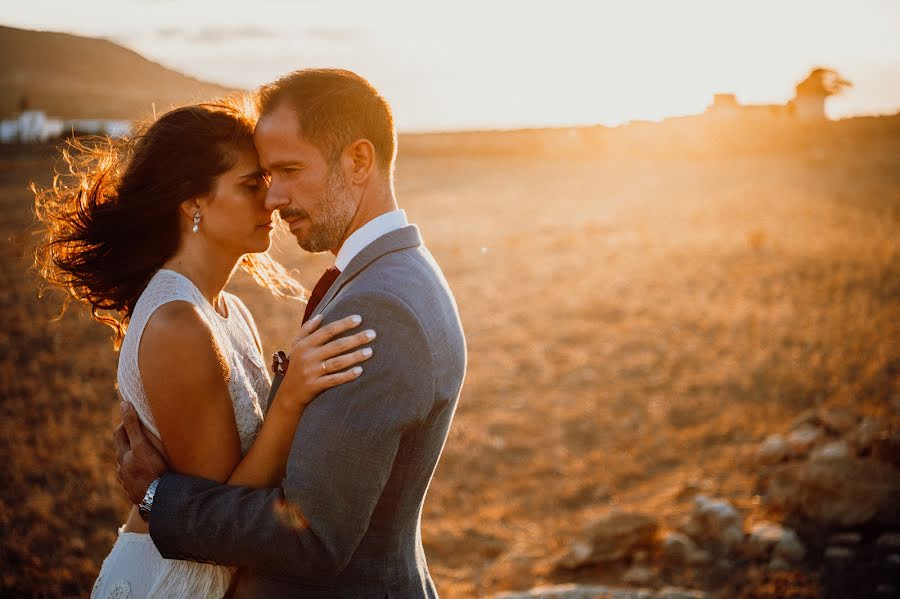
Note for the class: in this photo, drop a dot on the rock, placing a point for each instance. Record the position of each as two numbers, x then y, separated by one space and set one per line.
576 591
639 576
715 521
835 450
579 554
610 538
701 557
806 418
678 593
769 539
691 488
839 557
893 559
866 433
762 539
803 438
837 492
773 450
839 421
676 548
889 541
777 564
640 557
851 539
886 448
789 548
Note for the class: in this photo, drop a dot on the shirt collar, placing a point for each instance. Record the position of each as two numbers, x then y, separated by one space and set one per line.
366 234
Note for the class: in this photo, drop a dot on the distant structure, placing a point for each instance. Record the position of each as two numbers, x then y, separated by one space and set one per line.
34 126
808 103
810 94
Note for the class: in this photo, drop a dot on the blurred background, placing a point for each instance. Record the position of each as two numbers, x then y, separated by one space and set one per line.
672 232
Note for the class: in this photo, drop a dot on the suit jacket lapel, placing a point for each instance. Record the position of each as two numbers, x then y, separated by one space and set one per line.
399 239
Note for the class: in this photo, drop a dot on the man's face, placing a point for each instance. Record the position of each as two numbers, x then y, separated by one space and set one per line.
312 196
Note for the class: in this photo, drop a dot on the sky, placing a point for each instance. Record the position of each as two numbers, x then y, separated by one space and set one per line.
466 64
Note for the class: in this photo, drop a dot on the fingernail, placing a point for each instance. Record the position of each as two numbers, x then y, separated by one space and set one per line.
370 334
317 317
356 319
357 370
367 352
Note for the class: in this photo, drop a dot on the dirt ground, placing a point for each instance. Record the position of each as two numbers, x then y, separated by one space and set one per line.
637 322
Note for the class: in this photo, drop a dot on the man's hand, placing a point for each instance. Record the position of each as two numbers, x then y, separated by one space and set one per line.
140 456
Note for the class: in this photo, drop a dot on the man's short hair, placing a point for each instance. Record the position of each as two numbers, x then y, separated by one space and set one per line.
334 107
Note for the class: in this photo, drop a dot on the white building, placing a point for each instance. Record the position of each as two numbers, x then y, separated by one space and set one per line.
99 127
34 126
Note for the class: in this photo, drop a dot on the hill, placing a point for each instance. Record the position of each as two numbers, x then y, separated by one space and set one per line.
70 76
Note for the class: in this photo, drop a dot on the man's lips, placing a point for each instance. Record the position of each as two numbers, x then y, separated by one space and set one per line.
294 221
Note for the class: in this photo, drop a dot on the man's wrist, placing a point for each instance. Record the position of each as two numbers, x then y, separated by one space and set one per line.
147 502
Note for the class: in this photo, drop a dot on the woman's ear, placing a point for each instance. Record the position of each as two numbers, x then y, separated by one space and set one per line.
190 207
360 157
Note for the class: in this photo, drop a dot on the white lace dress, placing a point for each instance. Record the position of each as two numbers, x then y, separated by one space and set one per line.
134 568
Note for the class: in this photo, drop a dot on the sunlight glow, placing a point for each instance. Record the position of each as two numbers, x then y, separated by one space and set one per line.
510 64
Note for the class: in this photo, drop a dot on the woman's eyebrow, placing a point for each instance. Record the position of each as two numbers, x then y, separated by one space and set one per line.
252 175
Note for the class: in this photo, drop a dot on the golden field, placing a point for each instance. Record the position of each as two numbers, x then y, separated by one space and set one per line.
642 307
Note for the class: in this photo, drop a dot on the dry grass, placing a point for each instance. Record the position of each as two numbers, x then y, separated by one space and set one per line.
636 323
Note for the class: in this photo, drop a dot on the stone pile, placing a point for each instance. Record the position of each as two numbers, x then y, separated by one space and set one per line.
575 591
835 469
836 476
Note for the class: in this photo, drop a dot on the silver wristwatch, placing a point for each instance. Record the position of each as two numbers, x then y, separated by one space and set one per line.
147 502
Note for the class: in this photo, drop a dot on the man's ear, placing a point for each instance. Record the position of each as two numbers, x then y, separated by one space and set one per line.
360 158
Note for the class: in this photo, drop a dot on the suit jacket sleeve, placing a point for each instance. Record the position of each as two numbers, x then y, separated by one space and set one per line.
341 458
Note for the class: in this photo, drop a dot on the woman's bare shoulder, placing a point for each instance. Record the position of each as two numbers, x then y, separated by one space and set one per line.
178 337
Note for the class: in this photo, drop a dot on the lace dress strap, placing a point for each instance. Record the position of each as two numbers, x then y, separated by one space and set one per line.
165 286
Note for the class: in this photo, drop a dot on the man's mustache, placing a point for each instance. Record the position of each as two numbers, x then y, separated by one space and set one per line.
288 213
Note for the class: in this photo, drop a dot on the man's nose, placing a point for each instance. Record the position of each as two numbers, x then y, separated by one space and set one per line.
275 198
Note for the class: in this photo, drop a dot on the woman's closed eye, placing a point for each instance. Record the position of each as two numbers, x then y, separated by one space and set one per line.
257 183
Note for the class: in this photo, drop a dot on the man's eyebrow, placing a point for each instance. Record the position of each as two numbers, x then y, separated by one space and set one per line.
284 163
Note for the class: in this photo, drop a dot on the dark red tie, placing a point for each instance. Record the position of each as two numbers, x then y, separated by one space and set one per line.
319 291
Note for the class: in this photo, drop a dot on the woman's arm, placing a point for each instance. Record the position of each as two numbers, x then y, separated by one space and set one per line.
313 348
186 381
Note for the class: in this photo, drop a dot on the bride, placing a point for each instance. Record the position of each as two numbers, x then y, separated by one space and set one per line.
148 233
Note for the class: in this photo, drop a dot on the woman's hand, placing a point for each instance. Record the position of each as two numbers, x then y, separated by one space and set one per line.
319 362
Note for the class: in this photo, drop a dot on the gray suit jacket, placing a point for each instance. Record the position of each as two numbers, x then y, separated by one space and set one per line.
346 520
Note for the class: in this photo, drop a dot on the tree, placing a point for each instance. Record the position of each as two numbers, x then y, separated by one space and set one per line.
822 82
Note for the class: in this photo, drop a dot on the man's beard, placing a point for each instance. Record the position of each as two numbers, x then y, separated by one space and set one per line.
332 216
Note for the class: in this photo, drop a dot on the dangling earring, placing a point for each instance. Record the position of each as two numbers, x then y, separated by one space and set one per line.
196 222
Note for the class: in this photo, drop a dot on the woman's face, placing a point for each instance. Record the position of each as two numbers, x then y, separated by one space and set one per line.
235 217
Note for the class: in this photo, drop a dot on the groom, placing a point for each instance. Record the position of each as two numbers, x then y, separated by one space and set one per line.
346 520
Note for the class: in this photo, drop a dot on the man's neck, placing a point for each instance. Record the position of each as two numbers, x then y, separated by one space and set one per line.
367 212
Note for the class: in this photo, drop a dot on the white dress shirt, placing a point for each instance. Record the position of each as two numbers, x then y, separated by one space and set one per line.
366 234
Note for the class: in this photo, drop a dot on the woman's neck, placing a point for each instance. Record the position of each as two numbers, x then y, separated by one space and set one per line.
208 270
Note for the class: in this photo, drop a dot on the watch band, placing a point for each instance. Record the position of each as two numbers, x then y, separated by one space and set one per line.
147 502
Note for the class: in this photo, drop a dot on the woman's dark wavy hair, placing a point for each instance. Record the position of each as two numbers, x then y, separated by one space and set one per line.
112 220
